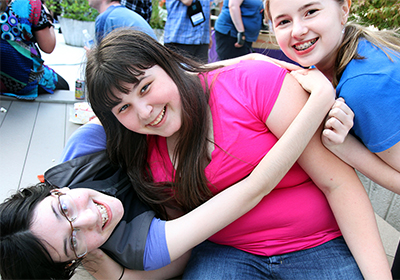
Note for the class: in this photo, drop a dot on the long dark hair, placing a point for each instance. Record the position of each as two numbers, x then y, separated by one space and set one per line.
23 255
119 59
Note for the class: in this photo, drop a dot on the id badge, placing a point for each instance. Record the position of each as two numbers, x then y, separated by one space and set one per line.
195 13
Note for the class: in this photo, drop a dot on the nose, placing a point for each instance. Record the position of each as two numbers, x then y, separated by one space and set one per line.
299 29
144 110
87 219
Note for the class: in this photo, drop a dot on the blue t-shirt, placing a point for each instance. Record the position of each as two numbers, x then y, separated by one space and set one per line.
179 29
251 17
91 138
371 88
118 16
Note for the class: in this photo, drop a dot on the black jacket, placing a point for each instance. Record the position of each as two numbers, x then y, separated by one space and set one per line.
127 242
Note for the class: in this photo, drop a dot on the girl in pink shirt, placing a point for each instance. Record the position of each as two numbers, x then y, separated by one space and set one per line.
186 132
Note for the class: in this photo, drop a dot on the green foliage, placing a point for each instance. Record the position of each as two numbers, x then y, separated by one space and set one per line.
74 9
158 15
383 14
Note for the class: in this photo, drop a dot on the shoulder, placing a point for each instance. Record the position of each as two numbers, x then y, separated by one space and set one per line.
375 65
253 68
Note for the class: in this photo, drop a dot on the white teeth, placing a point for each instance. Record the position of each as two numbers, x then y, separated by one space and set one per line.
305 46
103 212
159 118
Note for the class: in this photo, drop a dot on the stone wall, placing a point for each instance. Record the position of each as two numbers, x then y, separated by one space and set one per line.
385 203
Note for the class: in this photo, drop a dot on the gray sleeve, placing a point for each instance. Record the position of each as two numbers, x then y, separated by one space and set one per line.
127 243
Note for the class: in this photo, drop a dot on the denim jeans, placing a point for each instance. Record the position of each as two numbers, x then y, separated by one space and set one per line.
331 260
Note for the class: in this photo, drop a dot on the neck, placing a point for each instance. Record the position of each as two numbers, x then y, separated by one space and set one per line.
106 5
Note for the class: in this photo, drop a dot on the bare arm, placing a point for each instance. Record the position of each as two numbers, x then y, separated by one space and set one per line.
382 168
191 229
256 56
46 39
102 267
338 181
236 14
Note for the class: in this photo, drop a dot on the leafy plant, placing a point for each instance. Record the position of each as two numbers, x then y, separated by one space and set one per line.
158 16
73 9
383 14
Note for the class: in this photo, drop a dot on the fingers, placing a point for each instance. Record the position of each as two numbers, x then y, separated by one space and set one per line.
338 124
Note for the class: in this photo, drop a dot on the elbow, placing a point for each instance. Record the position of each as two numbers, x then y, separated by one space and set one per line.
48 48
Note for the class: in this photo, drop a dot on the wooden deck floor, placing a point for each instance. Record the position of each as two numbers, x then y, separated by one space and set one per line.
32 136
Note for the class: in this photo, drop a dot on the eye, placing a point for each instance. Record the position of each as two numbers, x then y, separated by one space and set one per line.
283 22
74 241
144 89
311 12
65 208
123 108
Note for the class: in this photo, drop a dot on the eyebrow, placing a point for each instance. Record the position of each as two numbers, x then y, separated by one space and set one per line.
300 9
65 239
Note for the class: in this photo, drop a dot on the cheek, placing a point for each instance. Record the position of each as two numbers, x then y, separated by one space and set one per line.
283 38
128 121
94 241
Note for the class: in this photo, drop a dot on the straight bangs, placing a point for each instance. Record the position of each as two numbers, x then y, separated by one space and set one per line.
105 93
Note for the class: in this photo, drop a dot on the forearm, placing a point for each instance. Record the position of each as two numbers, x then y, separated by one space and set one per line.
355 217
102 267
236 14
256 56
351 207
354 153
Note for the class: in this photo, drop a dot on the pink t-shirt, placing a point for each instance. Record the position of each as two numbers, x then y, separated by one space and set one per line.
296 214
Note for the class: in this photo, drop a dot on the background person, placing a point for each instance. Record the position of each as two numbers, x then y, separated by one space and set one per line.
26 26
113 16
141 7
237 27
181 35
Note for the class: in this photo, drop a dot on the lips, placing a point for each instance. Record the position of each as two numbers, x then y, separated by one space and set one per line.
305 45
103 212
159 117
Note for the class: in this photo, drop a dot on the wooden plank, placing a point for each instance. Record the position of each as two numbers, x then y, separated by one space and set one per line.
70 127
47 142
15 137
4 105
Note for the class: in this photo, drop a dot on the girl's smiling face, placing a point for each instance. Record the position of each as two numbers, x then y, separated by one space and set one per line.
153 106
96 216
309 31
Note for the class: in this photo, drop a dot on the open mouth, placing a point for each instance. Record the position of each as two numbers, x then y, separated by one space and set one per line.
305 46
159 117
103 212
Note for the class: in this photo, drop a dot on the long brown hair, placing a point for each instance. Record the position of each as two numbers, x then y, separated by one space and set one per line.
386 40
119 59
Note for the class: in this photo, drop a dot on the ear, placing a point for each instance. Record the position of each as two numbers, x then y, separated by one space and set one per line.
345 10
